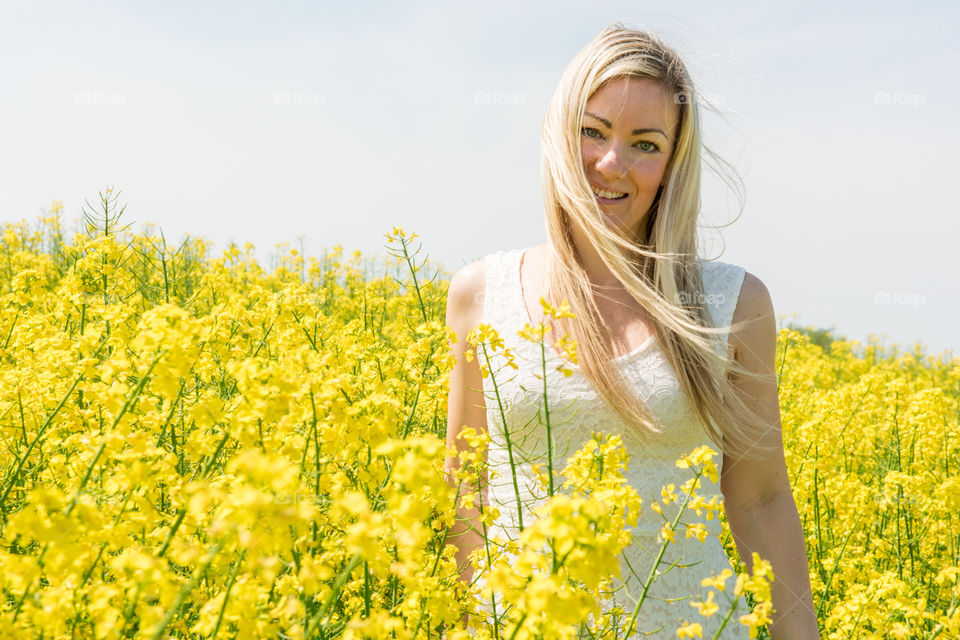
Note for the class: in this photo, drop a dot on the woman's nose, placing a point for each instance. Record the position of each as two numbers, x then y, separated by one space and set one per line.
610 160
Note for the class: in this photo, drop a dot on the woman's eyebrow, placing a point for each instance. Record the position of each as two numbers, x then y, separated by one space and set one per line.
635 131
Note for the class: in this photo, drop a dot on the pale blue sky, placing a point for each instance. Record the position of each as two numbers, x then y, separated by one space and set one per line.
266 122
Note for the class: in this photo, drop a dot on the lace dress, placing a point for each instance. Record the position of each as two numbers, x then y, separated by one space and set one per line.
575 412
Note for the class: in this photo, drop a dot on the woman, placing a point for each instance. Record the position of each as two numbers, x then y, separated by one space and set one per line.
673 351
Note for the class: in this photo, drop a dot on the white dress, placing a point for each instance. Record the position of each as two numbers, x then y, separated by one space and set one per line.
575 412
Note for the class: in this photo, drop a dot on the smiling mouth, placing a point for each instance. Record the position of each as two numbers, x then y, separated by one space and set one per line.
608 195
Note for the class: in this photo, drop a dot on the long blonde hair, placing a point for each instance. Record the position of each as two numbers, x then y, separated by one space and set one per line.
658 265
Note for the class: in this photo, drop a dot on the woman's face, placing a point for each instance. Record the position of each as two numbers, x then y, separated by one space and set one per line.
626 143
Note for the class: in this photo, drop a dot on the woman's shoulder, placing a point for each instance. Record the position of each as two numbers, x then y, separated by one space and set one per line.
722 282
723 279
746 287
714 269
505 253
470 284
734 294
499 266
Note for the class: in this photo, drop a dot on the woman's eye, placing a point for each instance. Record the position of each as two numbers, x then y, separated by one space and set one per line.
644 145
586 131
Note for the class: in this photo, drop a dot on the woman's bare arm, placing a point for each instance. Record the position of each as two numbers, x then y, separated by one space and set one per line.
465 404
758 499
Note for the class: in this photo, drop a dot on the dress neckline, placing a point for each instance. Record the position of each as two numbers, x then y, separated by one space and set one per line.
623 357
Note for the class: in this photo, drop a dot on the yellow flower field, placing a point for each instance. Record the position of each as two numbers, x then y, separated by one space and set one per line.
192 447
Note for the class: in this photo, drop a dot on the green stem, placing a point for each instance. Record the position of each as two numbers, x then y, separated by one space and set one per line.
334 592
43 429
507 439
836 565
126 405
226 596
172 532
726 619
653 570
546 415
185 591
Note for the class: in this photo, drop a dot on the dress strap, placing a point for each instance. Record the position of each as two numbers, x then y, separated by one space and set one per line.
505 310
722 282
502 300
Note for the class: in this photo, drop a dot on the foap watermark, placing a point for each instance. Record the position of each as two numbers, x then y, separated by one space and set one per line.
895 97
495 98
102 498
297 98
895 297
99 99
300 498
894 499
701 298
714 99
495 298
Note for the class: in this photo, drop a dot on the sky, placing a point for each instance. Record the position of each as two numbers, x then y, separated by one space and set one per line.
318 124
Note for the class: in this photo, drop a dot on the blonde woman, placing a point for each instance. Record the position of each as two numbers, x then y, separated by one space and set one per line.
674 350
